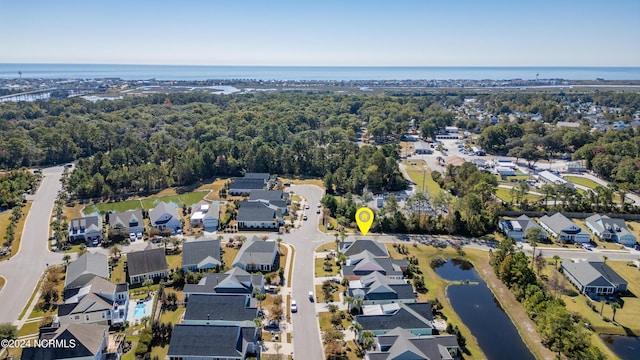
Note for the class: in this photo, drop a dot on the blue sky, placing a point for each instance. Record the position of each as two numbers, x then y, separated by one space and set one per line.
327 32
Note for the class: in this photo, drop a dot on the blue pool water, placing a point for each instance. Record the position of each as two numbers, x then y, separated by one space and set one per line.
140 311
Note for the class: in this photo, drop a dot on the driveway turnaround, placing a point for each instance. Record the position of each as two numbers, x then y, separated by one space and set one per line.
23 271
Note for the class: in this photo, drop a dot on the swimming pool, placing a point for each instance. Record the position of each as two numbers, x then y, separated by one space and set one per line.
140 311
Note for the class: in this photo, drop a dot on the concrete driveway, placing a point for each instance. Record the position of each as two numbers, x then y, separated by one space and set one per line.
23 271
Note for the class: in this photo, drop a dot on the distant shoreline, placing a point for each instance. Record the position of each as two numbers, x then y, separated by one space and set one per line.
318 73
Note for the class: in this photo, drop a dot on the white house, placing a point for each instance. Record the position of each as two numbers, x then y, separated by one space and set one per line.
165 217
205 215
98 302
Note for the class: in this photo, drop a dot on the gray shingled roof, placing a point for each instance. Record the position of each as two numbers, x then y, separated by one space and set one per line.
196 341
125 218
88 339
256 251
269 195
593 273
161 209
146 261
247 183
200 249
241 307
404 345
358 246
407 316
87 223
365 263
235 280
84 268
255 210
559 223
605 224
376 286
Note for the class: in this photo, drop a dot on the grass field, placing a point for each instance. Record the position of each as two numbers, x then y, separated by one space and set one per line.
505 195
117 273
420 174
582 181
30 328
318 268
4 221
147 203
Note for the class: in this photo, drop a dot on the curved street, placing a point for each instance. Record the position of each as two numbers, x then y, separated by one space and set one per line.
23 271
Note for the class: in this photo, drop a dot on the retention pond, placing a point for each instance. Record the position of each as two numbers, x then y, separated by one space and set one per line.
481 313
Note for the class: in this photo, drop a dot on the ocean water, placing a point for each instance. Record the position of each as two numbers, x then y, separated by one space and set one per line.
182 72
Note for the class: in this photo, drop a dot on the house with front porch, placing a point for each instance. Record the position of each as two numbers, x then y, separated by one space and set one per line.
82 270
205 215
517 228
150 263
376 288
98 302
201 254
258 255
87 229
257 215
401 344
593 277
563 229
127 222
417 318
234 281
610 229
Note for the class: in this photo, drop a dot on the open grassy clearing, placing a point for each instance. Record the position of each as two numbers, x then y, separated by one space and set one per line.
582 181
319 271
506 195
30 328
420 174
118 274
146 203
302 181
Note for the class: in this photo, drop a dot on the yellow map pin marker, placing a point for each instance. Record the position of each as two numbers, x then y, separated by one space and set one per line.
364 219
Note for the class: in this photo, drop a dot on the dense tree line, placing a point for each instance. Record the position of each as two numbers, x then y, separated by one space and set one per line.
561 331
13 184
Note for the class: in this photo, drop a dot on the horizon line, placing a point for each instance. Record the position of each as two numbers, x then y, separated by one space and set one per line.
331 66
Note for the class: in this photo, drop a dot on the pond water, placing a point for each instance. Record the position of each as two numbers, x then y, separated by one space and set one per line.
481 313
625 347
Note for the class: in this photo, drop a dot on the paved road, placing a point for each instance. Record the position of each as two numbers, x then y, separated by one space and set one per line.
23 271
306 332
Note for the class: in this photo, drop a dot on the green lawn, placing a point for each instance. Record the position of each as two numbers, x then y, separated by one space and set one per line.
582 181
147 203
505 195
30 328
420 174
118 274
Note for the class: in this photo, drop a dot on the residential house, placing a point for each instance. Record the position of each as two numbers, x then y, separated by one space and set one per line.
358 246
76 342
205 215
258 255
255 214
127 222
401 344
250 182
201 254
518 228
165 217
87 229
365 263
277 198
150 263
417 318
97 302
198 342
234 281
564 229
376 288
593 277
84 269
221 310
548 177
610 229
